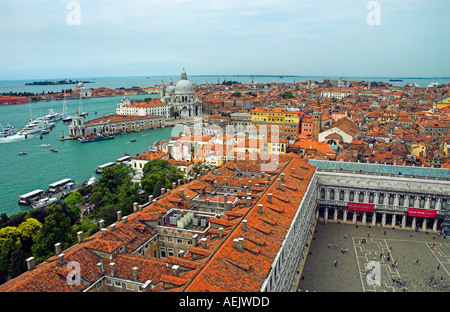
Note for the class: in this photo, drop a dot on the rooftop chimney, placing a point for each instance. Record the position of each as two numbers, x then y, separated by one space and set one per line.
260 208
238 244
163 190
80 236
221 232
136 206
179 182
113 227
244 225
100 268
229 205
57 248
278 183
119 215
240 182
224 181
249 184
174 185
203 243
112 268
101 224
249 200
283 187
188 202
181 192
282 176
150 199
104 231
30 263
269 198
135 273
61 258
125 219
175 270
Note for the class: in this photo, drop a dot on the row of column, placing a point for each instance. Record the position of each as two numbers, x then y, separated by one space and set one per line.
386 199
383 219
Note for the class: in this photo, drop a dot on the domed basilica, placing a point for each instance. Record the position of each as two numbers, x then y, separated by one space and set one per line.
181 97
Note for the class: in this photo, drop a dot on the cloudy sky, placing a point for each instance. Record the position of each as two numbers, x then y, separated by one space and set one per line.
101 38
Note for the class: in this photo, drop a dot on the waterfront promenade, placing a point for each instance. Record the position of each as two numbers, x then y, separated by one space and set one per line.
423 260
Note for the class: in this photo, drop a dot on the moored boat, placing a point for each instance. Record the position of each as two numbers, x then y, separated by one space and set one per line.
44 202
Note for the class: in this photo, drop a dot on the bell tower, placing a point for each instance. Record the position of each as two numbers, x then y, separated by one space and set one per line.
317 119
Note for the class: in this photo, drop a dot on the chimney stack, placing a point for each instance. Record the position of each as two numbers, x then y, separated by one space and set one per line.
249 184
112 267
150 199
136 205
238 244
174 185
179 182
244 225
57 248
175 270
135 273
80 236
100 268
61 258
260 208
203 243
282 176
188 202
249 200
229 205
104 231
30 263
283 186
240 182
119 215
221 232
181 192
278 183
269 198
101 224
163 190
125 219
147 286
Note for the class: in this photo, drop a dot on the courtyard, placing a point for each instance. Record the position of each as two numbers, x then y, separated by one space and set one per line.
345 257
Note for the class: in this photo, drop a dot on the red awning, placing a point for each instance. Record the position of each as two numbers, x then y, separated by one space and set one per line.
424 213
360 207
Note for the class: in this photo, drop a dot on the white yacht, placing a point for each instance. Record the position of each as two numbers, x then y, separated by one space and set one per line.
44 202
92 181
8 130
52 116
35 125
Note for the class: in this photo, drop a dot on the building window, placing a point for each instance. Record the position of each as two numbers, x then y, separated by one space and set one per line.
118 284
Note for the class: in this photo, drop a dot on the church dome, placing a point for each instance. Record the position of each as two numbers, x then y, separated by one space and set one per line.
184 86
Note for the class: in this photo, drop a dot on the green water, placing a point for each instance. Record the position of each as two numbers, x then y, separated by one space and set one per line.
74 160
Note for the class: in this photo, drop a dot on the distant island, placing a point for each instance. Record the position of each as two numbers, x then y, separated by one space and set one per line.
53 82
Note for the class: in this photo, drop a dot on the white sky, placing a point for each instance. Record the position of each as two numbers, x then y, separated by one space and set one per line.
159 37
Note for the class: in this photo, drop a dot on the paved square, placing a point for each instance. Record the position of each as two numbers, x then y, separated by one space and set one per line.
423 260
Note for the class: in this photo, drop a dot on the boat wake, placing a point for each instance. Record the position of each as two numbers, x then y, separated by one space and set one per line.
14 138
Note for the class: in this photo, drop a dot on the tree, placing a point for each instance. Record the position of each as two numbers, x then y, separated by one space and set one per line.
157 189
56 229
236 94
287 95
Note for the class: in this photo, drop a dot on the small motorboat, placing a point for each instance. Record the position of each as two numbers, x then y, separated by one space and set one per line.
23 153
45 145
54 151
133 140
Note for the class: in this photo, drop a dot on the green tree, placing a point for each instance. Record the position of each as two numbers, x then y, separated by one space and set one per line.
287 95
57 228
236 94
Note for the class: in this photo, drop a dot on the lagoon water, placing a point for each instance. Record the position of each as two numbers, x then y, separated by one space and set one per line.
75 160
78 161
